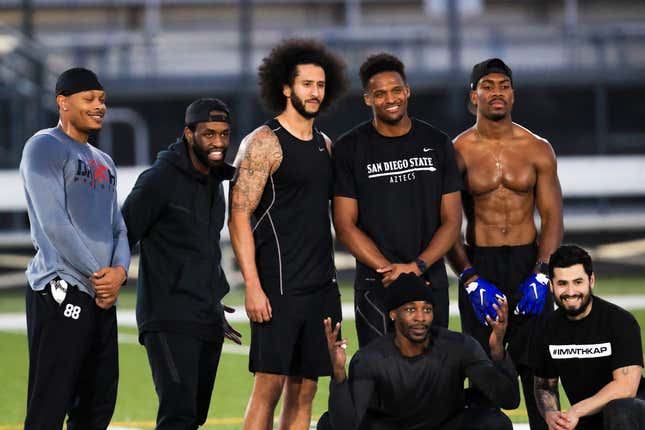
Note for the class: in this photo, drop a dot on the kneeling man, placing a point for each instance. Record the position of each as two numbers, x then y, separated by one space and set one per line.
594 347
414 378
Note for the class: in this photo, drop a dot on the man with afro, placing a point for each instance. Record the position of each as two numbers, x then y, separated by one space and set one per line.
280 231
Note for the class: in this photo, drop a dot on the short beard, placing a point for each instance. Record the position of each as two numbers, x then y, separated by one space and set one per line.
390 121
202 156
414 340
418 341
583 307
299 106
495 117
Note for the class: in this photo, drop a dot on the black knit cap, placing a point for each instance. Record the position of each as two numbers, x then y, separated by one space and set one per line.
75 80
492 65
408 287
200 111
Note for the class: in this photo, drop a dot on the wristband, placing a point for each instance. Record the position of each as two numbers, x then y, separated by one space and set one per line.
421 265
463 276
542 267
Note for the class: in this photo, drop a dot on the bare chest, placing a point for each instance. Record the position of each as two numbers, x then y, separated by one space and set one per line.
494 169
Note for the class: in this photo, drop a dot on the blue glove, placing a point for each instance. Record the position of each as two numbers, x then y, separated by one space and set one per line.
534 291
483 295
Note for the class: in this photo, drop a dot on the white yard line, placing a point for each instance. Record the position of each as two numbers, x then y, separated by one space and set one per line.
126 318
516 426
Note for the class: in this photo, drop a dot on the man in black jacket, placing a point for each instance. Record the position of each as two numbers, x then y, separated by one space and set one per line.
175 212
413 379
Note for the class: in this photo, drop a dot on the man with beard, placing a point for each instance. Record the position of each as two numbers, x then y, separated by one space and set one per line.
281 233
594 347
82 258
508 172
175 212
413 378
396 197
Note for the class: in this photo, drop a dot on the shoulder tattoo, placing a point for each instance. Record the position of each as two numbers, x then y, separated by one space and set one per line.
261 159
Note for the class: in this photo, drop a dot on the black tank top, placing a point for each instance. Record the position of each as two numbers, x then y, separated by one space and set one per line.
291 228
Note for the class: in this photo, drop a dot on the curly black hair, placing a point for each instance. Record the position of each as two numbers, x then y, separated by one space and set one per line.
377 63
279 69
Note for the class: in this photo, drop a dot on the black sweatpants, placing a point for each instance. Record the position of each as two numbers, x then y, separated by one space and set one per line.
507 267
183 369
73 361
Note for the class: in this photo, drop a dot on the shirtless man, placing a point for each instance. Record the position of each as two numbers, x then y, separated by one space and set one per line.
508 172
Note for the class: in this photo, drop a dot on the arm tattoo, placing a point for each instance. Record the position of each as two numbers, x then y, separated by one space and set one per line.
546 395
624 370
262 158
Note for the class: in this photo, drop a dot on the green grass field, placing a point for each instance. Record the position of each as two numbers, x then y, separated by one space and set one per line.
137 401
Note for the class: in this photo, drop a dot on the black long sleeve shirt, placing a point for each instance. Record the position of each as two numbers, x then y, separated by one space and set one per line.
384 389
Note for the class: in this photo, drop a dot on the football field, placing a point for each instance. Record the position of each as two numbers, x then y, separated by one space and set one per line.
137 401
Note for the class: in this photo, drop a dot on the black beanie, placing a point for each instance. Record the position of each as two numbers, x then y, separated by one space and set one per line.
76 80
408 287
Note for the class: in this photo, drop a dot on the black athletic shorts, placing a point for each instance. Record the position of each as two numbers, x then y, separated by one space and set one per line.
293 343
506 267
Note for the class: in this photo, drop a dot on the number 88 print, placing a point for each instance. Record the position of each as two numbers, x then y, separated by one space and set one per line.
72 311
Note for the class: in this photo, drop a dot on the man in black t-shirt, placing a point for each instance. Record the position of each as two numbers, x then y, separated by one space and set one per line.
397 206
594 347
413 379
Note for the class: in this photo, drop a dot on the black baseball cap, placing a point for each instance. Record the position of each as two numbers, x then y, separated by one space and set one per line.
408 287
200 111
492 65
76 80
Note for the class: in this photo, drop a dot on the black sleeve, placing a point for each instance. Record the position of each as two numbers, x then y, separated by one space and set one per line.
627 348
451 178
349 399
145 203
543 364
344 182
496 379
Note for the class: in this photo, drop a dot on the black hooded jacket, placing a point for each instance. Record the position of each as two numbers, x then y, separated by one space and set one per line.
176 214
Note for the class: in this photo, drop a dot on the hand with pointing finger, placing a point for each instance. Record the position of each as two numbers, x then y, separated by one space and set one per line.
336 349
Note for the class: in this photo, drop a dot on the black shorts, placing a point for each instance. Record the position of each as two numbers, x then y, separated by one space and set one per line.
293 343
506 267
